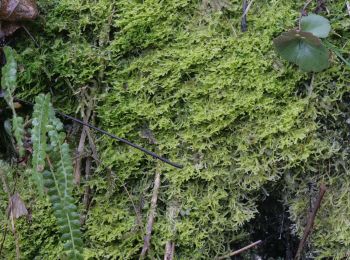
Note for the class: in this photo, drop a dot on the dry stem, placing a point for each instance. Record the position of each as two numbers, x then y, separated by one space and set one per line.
310 221
240 250
152 214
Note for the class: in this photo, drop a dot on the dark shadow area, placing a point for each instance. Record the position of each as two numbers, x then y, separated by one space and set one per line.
273 226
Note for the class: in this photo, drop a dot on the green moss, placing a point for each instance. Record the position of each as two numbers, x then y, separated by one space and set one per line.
219 101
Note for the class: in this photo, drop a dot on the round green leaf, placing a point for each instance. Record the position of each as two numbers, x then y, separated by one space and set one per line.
315 24
303 49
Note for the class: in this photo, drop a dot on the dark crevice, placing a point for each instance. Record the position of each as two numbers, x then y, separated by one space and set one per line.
272 225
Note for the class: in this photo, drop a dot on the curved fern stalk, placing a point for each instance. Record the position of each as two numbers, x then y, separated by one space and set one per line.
8 83
59 182
39 138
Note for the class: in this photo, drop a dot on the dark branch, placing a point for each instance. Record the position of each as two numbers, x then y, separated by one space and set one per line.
237 252
244 25
310 221
110 135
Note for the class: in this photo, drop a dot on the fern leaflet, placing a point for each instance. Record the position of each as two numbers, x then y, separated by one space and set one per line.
8 82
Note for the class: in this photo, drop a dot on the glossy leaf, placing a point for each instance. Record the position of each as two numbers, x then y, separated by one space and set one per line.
303 49
315 24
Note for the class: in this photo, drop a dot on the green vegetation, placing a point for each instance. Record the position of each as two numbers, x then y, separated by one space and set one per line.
303 47
179 78
58 178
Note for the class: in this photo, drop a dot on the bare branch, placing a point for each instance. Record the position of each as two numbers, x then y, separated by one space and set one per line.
237 252
244 26
152 214
80 149
310 221
173 210
111 136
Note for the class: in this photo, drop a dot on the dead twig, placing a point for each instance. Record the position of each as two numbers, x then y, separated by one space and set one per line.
173 210
169 250
81 146
78 160
247 8
237 252
152 214
3 238
310 221
31 36
244 25
87 192
92 146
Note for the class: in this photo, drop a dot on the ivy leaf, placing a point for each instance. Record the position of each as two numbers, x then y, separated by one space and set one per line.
303 49
315 24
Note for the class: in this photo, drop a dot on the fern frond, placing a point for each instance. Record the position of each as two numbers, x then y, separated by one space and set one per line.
9 74
39 131
8 83
66 214
59 182
18 132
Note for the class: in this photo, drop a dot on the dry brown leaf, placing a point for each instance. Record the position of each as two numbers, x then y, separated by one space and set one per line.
16 207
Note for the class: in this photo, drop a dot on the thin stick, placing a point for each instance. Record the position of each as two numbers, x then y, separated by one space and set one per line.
168 250
172 213
247 8
81 146
87 192
310 221
152 214
244 17
240 250
348 7
111 136
3 238
31 36
92 146
311 86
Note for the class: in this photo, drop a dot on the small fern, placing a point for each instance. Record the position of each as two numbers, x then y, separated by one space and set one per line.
40 122
8 82
59 180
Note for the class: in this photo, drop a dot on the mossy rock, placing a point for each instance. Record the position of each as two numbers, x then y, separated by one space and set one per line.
218 101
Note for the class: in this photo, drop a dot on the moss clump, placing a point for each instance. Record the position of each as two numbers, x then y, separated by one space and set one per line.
216 100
